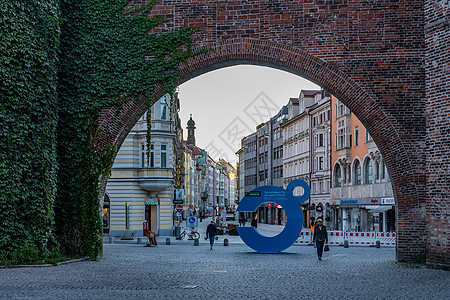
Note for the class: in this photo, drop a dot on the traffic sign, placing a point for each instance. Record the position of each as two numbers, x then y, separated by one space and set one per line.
192 221
179 208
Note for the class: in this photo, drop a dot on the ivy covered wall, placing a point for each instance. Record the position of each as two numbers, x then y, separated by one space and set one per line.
64 63
29 38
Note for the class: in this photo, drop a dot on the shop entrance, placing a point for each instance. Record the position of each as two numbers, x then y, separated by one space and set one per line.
148 216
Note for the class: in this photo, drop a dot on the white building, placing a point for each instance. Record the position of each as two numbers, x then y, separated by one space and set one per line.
141 189
320 124
306 152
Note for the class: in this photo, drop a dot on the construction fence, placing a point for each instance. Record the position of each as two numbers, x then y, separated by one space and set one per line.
353 238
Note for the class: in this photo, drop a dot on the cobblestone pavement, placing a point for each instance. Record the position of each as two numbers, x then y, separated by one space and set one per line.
184 271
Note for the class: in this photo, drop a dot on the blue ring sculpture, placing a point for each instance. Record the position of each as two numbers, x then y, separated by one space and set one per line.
292 207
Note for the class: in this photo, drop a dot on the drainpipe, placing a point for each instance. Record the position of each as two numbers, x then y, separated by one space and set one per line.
311 165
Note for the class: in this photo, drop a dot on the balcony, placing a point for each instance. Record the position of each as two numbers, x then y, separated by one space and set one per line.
156 181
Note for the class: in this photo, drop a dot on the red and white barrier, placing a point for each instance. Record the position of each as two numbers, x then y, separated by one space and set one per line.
335 238
361 238
305 237
353 238
386 238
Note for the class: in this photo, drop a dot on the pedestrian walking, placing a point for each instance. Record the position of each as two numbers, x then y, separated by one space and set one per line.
211 232
242 220
312 224
254 222
320 237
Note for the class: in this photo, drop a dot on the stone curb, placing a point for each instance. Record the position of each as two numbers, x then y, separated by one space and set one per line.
46 265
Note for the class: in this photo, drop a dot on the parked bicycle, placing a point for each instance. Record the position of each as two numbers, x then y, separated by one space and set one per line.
192 234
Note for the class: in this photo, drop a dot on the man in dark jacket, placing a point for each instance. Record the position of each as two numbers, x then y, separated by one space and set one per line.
320 237
211 232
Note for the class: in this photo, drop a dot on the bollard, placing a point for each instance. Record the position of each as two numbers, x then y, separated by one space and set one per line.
111 240
345 244
225 242
167 241
139 240
377 244
196 242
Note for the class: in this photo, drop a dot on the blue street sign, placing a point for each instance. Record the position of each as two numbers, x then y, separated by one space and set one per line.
192 221
292 207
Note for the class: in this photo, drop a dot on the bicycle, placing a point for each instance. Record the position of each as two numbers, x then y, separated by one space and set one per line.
192 234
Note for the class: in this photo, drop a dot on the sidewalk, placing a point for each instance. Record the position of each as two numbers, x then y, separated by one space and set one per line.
264 229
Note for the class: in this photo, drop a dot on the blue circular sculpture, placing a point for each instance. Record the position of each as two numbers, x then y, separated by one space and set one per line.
292 207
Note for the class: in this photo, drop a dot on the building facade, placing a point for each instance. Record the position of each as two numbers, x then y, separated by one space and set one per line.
306 139
140 188
262 156
323 143
320 157
250 160
240 166
361 185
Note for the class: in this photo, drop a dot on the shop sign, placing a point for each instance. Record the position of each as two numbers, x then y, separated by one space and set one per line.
349 201
151 203
387 200
179 174
253 194
365 201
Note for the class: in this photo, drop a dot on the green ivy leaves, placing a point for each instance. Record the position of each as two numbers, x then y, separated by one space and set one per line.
60 63
28 45
105 47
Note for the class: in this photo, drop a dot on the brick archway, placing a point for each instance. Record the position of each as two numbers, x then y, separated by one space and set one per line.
369 54
116 125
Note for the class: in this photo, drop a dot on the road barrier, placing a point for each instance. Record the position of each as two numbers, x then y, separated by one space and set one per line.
353 238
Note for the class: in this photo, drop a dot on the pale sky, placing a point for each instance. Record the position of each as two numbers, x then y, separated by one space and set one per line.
227 104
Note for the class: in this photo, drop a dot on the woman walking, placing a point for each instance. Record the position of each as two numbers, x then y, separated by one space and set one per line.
320 237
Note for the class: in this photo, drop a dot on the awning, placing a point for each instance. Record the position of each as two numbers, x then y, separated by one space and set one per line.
380 209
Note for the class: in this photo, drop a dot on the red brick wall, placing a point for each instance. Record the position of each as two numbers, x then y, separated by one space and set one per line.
370 54
437 65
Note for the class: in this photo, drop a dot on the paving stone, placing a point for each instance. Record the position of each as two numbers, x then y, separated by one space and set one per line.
234 272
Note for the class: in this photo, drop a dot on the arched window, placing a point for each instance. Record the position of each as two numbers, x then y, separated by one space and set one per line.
337 176
367 171
357 173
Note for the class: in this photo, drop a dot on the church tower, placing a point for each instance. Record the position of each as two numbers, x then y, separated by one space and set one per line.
191 132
